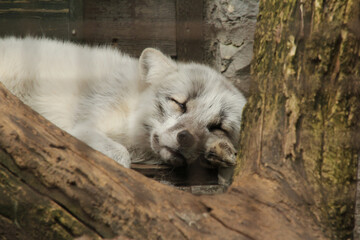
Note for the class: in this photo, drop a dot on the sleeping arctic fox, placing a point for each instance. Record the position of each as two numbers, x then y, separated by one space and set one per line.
150 109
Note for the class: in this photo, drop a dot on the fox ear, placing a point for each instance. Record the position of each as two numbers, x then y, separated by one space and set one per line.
154 65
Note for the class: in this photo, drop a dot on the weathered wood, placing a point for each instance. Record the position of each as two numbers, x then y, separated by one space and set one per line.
302 122
356 234
76 24
175 27
131 25
189 30
20 206
181 176
39 18
90 192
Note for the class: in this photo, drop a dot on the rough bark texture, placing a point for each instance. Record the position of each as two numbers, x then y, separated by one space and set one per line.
302 124
296 168
55 187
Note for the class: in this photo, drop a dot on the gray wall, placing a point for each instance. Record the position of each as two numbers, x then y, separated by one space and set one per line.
229 34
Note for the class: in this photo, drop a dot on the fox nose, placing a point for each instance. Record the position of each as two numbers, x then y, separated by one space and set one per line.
185 138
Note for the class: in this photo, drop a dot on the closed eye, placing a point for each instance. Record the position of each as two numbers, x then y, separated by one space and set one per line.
215 126
182 106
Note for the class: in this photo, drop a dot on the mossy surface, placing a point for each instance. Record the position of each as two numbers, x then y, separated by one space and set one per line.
26 214
303 119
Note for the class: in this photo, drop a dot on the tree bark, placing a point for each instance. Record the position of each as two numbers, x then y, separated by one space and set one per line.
302 124
297 164
56 187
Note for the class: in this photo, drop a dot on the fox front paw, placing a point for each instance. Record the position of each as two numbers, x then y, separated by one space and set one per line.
120 154
220 153
122 157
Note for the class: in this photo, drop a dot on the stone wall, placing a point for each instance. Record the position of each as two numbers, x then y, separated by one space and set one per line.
229 38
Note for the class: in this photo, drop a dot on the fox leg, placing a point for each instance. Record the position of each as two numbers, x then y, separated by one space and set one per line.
99 141
219 152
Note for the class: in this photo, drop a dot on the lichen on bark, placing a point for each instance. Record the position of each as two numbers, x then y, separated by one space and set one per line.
21 207
305 109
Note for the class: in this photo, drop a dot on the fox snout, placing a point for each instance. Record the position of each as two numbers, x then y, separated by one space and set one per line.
177 145
185 139
184 146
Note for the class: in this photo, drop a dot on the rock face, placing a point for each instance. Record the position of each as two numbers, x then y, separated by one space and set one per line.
229 38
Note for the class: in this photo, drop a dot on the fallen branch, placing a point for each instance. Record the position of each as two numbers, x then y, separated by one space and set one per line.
53 185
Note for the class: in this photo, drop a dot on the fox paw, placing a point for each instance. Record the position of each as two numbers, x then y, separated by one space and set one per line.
121 157
117 152
220 153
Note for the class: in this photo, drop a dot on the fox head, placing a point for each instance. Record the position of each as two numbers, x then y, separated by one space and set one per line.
190 108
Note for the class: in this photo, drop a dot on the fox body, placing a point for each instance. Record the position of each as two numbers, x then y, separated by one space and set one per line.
150 109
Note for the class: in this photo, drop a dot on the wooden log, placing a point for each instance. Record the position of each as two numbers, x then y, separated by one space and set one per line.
54 186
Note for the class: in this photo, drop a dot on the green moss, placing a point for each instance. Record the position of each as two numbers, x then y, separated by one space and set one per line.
33 214
307 87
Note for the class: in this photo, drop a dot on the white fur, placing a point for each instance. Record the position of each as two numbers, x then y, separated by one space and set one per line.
110 100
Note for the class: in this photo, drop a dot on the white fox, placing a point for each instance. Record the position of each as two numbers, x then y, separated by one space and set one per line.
150 109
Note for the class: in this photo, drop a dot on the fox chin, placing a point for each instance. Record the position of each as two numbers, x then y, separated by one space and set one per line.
151 109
